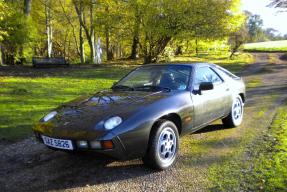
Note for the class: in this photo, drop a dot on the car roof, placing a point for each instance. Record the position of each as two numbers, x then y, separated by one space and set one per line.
191 64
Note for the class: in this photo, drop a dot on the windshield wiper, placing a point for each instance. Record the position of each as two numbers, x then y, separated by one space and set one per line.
122 87
152 88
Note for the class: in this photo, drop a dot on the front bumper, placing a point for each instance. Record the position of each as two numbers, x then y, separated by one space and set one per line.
117 152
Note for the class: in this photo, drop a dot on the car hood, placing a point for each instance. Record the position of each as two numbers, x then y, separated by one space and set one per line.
85 116
109 103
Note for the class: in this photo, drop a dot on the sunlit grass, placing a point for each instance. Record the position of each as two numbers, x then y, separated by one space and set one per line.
267 46
24 100
264 166
255 82
236 64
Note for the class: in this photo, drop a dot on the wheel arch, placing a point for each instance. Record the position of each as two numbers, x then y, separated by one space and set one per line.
242 95
173 117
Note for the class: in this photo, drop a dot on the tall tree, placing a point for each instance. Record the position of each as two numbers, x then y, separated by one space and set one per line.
255 24
3 31
27 7
79 44
136 29
165 20
237 39
81 37
109 52
49 29
80 7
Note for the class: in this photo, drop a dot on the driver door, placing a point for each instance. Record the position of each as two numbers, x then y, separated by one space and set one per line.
208 105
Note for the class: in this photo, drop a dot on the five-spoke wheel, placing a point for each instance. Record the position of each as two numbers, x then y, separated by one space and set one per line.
235 117
163 145
166 144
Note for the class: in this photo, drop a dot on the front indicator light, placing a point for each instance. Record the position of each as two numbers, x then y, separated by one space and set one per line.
95 144
107 144
82 144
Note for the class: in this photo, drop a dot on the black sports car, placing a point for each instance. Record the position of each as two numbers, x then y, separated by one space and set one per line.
143 115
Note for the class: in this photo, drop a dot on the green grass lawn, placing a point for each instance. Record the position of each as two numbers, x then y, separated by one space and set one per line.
264 167
26 94
267 46
25 98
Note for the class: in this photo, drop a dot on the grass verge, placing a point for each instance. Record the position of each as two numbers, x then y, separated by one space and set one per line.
255 82
264 167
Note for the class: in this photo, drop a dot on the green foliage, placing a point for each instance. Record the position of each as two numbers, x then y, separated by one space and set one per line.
255 24
237 39
148 26
186 20
20 33
4 13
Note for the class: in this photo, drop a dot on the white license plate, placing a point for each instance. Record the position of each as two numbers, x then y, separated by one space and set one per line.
58 143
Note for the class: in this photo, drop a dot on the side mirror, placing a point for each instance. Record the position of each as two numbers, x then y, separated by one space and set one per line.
205 86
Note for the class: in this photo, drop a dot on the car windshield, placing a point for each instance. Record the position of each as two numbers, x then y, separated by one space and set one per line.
155 78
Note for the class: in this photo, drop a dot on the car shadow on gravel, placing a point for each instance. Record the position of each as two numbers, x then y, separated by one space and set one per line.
44 170
211 128
89 170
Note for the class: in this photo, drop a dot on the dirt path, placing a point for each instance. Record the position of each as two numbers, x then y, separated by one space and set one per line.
27 166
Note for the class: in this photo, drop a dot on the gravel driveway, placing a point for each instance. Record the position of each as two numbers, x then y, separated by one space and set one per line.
28 166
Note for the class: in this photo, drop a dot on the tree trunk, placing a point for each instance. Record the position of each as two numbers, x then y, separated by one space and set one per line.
151 55
27 7
196 47
92 45
109 52
134 51
27 11
49 30
90 33
187 46
82 48
1 60
147 59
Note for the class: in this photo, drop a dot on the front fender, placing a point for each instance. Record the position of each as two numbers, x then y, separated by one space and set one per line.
134 132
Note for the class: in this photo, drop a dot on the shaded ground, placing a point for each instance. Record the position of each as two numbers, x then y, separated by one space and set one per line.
27 166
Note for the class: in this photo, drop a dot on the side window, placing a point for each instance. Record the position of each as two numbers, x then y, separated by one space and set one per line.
205 74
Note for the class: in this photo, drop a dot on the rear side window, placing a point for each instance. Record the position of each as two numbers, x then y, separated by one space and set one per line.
228 73
205 74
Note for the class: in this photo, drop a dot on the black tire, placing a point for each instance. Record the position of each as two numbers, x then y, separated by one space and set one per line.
230 120
152 158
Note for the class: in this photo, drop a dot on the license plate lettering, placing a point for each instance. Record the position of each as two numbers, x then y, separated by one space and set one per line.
58 143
